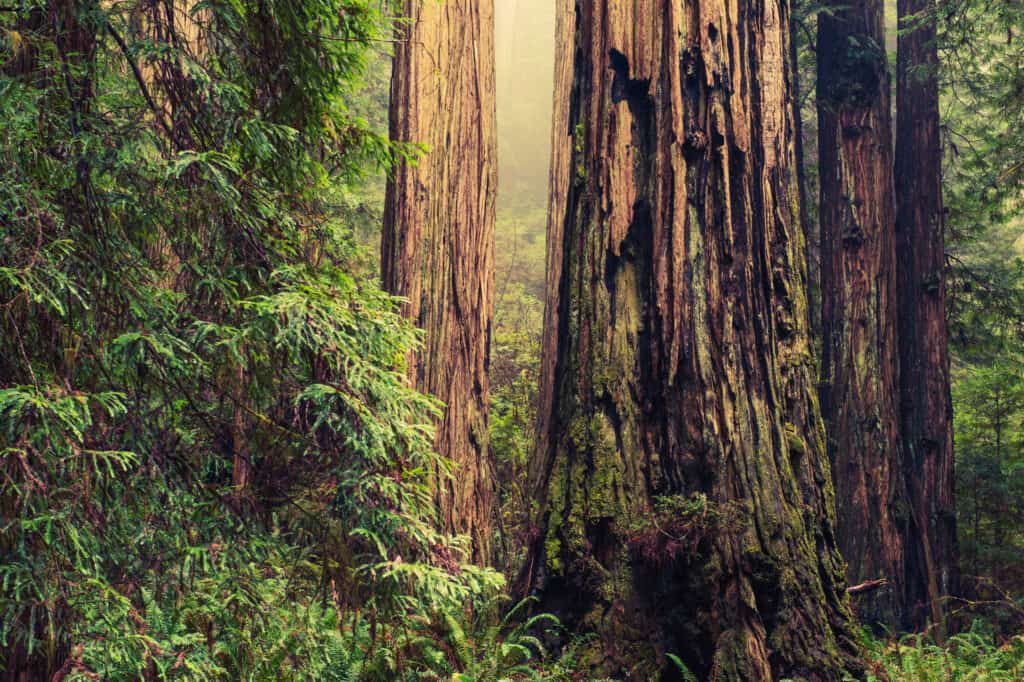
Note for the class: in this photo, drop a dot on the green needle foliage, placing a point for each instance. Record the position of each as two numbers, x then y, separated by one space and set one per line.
211 466
975 655
983 92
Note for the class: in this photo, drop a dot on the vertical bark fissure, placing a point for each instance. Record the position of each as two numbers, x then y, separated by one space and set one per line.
925 403
685 496
860 354
438 241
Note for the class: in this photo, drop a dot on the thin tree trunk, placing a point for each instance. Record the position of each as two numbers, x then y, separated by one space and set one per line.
859 378
438 241
684 491
926 407
241 468
74 40
810 226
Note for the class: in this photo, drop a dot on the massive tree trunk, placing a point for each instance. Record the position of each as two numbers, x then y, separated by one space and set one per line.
931 547
685 497
438 241
859 373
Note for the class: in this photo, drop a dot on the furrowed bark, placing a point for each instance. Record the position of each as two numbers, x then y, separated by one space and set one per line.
438 241
684 491
925 404
859 373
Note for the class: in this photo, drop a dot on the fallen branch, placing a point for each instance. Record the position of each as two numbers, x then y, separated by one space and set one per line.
867 586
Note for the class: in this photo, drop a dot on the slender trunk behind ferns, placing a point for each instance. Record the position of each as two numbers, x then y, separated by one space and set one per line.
925 403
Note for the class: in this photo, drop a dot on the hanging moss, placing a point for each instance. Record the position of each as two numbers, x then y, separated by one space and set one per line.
579 138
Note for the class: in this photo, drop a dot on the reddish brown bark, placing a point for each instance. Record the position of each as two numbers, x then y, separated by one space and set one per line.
926 408
438 241
859 372
685 496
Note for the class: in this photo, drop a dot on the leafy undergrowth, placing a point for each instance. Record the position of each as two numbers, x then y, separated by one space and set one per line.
975 655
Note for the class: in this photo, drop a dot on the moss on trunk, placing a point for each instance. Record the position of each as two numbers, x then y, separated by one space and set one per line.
677 363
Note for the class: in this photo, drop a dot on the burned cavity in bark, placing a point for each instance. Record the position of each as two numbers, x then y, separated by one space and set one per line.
637 248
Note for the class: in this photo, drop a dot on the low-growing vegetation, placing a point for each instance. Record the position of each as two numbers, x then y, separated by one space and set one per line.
223 454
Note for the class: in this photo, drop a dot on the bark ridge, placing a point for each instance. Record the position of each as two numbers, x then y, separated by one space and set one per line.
438 240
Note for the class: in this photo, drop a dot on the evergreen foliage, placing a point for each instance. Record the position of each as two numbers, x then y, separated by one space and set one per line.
212 466
975 654
982 74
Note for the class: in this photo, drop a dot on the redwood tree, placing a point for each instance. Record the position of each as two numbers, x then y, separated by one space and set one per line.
859 373
685 497
438 240
926 409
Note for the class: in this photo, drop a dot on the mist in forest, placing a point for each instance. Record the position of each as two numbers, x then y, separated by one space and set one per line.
525 47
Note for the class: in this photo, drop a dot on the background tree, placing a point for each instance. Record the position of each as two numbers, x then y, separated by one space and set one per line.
683 482
980 70
859 387
525 43
437 248
990 475
925 403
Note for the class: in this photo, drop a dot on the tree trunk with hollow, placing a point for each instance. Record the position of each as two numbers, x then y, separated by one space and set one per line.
684 491
926 408
438 240
859 374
